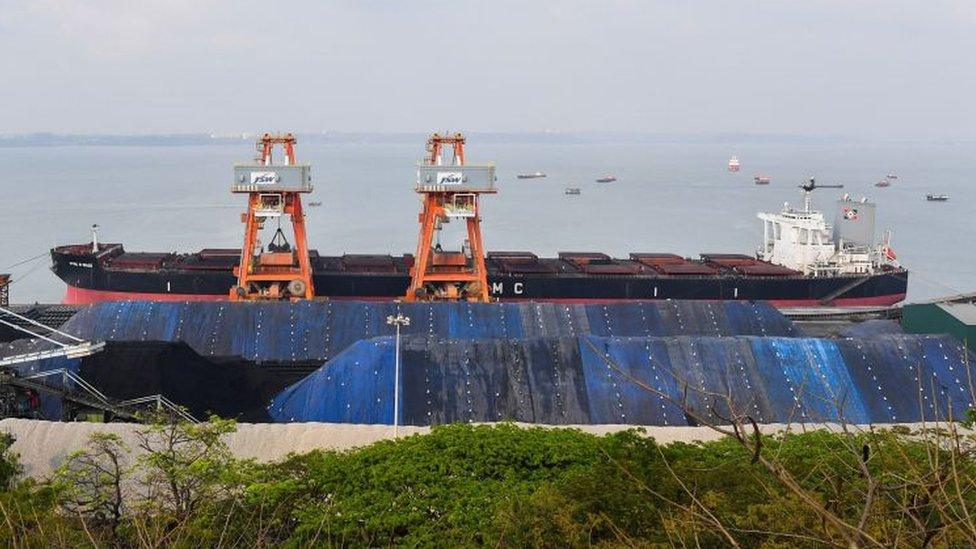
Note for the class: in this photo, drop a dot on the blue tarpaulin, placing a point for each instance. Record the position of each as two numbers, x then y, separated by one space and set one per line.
315 330
643 362
637 380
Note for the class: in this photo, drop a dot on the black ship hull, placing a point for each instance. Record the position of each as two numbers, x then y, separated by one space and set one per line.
114 275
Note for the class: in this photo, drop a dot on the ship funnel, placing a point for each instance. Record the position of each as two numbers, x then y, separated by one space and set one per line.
854 221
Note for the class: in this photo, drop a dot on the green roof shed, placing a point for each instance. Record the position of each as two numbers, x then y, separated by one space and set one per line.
958 319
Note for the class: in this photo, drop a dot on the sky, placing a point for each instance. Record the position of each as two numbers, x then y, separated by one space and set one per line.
877 69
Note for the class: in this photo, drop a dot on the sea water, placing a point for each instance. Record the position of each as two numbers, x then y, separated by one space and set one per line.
669 197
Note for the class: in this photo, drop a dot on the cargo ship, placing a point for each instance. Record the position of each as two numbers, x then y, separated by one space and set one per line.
734 164
788 273
802 261
113 274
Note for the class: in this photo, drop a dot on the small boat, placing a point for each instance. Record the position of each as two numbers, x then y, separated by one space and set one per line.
607 179
883 183
314 204
572 190
891 176
734 164
937 197
535 175
762 179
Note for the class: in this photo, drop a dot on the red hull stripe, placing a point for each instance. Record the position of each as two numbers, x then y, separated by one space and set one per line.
81 296
873 301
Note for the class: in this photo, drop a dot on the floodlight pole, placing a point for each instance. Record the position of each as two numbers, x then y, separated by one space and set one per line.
398 320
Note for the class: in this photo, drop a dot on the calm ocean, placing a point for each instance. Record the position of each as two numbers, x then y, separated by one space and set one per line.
669 197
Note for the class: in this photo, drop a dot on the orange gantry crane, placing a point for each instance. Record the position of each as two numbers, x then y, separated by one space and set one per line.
450 191
280 271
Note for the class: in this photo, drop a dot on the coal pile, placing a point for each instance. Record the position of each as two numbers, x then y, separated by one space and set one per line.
226 386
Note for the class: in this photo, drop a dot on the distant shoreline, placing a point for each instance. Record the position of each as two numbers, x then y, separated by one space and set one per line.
203 139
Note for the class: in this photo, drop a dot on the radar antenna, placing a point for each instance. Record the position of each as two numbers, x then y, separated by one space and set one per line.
809 187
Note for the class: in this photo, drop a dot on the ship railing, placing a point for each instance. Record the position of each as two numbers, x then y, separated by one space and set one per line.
107 250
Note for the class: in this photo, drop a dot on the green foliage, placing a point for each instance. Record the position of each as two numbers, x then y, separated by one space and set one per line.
91 480
183 463
970 419
10 467
441 487
29 517
464 485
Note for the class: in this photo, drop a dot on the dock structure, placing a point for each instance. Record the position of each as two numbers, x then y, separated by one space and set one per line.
4 290
38 375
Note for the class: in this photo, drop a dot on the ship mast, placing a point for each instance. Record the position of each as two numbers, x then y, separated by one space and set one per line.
94 233
808 189
450 192
273 191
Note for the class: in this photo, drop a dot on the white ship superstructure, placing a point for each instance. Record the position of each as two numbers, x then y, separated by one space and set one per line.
734 164
801 239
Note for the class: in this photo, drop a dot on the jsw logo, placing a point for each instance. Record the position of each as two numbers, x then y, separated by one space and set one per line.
449 178
264 178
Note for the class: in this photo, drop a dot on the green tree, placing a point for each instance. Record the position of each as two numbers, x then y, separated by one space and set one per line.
182 463
10 467
92 481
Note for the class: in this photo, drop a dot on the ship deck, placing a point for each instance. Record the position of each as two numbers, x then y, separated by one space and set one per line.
503 263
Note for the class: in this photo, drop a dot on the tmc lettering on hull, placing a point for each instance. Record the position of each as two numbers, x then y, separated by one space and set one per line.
498 288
